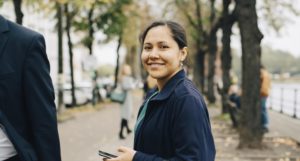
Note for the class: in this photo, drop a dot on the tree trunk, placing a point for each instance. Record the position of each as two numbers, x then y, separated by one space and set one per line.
118 59
199 69
60 79
91 29
70 45
212 47
18 11
196 22
133 60
250 131
201 44
226 57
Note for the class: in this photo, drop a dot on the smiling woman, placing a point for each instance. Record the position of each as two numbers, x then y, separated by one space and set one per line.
162 56
173 122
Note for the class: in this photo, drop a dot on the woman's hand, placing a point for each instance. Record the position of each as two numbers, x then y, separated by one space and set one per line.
126 155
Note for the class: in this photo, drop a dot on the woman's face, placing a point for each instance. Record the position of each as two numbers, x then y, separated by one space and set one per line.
161 55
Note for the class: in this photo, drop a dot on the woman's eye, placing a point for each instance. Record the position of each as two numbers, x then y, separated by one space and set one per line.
164 47
147 48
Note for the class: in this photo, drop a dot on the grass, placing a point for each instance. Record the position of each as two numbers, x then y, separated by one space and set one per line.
223 117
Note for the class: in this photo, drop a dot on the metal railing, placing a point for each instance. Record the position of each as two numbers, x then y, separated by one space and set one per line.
285 100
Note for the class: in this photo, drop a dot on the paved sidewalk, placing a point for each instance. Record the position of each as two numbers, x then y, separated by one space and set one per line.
92 130
279 146
89 131
284 125
280 125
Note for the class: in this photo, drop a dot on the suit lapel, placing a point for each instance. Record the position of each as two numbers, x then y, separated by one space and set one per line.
3 34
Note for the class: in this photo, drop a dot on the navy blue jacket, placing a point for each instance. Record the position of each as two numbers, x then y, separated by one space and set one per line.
176 126
27 108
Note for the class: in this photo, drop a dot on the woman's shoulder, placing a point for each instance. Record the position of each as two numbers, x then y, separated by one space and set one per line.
187 89
188 101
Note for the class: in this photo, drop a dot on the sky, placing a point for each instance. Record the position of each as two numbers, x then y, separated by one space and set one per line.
288 38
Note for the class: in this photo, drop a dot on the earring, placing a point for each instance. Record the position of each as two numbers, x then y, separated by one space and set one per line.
181 64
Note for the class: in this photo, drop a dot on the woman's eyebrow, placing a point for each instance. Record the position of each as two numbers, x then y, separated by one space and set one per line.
162 42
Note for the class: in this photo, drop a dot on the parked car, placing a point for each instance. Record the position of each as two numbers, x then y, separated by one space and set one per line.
83 93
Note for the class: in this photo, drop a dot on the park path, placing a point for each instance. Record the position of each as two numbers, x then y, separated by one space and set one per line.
91 130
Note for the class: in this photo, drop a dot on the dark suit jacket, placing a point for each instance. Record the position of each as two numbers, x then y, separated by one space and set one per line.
27 108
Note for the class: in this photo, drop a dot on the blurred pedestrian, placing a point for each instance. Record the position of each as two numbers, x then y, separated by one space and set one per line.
149 84
264 93
234 101
28 126
173 123
96 96
127 84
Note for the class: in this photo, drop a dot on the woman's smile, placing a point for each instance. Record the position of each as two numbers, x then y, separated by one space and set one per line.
154 65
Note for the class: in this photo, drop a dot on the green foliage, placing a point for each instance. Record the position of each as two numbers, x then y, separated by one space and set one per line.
86 41
277 61
106 70
223 117
114 20
133 24
99 15
80 24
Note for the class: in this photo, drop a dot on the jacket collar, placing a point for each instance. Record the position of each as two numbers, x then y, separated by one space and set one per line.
170 86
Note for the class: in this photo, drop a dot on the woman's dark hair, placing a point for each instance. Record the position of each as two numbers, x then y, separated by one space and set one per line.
178 32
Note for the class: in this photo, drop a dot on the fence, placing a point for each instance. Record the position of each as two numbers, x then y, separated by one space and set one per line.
285 99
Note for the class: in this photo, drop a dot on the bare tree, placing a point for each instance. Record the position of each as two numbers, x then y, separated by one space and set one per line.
60 57
195 20
226 57
212 50
69 16
18 11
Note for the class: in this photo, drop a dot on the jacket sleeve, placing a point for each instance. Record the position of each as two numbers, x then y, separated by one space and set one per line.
191 133
39 99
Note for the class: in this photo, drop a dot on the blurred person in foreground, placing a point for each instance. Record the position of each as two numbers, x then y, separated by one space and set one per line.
127 84
264 93
28 126
149 85
173 122
234 103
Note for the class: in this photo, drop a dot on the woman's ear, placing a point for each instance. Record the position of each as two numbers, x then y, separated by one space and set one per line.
184 52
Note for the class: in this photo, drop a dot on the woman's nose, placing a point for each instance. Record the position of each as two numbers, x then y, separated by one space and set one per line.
153 54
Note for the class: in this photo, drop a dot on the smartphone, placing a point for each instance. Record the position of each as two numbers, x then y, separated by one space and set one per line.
106 155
